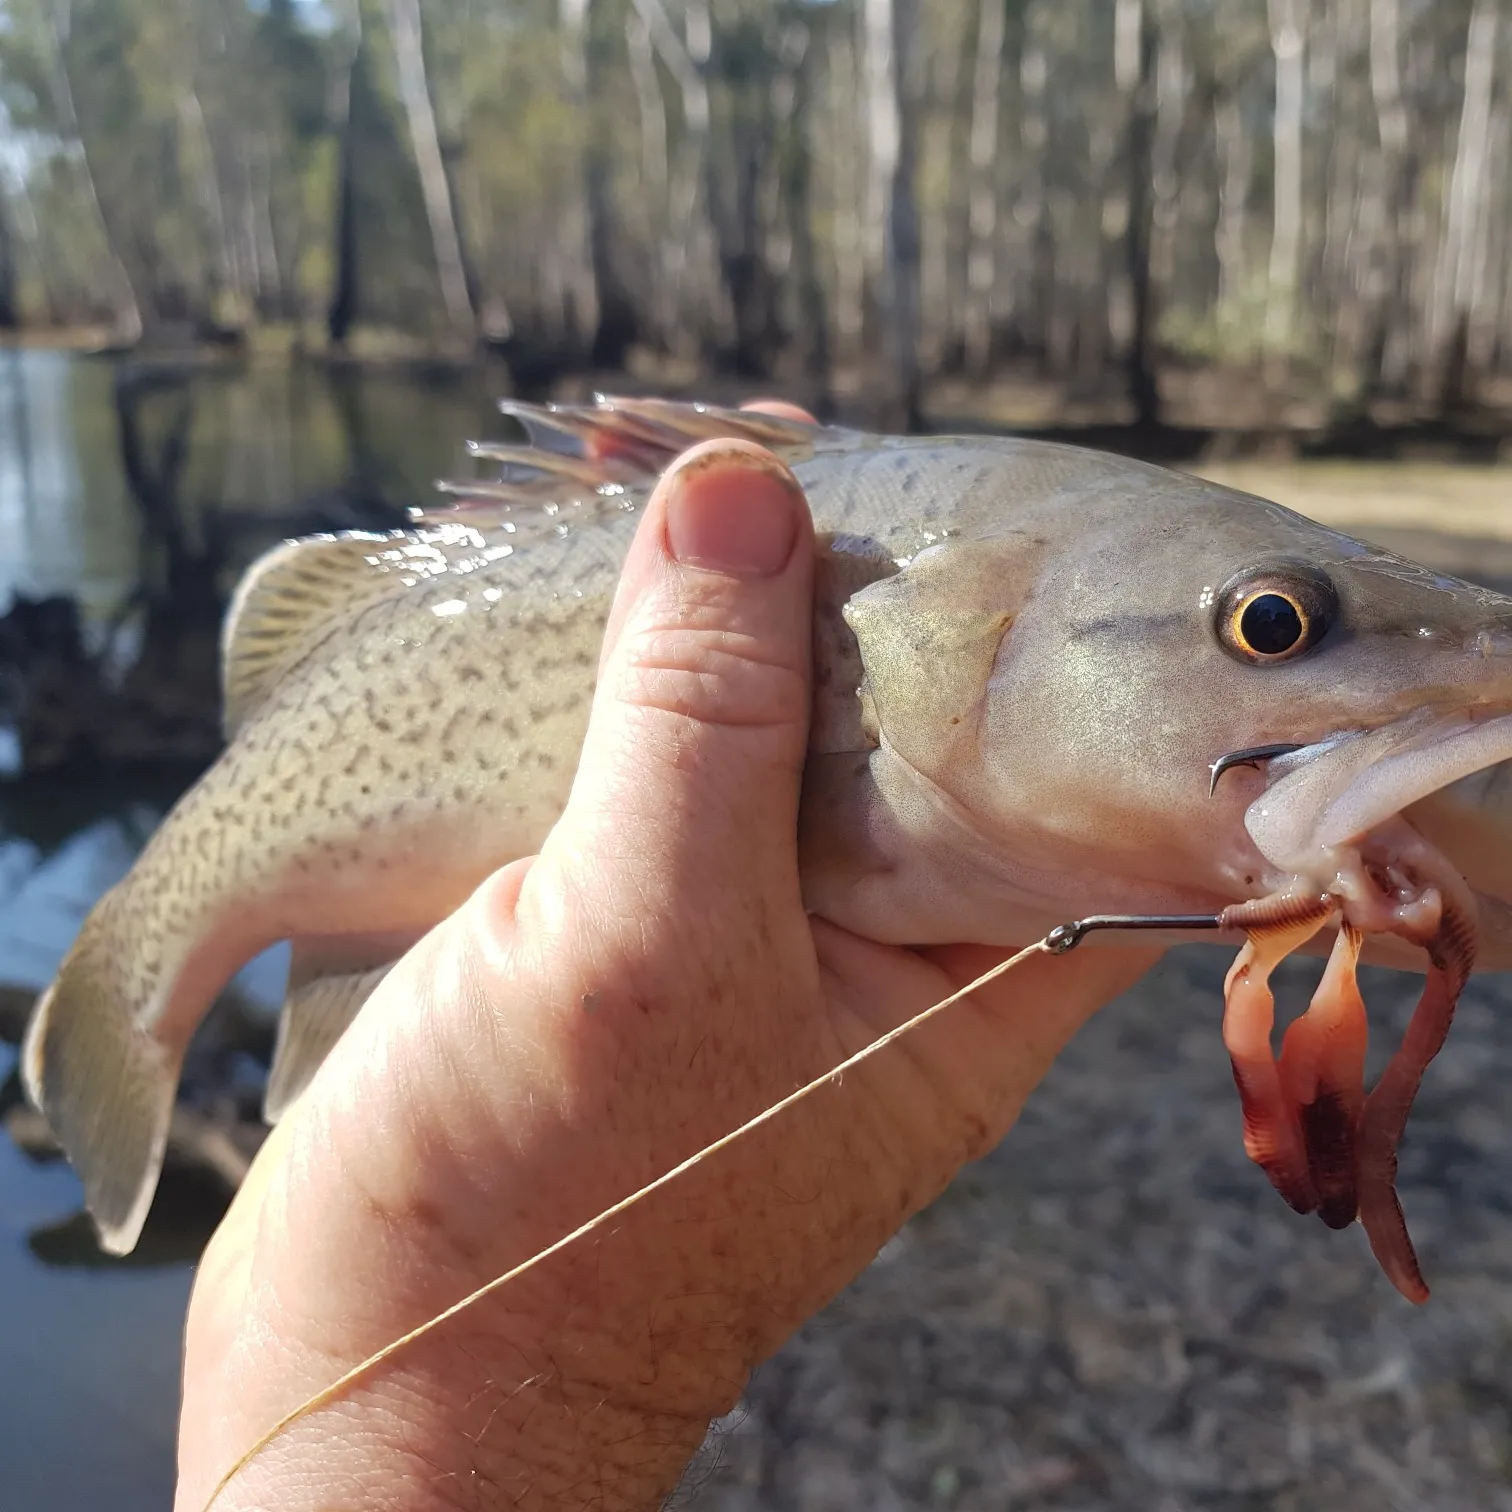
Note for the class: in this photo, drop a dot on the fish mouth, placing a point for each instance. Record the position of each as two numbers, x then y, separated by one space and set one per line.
1337 790
1339 814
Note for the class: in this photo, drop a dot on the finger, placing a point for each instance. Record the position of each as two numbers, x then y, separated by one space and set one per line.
629 588
632 581
700 720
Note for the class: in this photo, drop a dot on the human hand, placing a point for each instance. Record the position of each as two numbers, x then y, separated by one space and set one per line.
591 1017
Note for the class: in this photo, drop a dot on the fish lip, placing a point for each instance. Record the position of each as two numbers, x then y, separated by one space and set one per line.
1334 791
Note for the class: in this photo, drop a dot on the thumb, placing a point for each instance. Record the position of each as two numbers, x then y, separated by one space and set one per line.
696 741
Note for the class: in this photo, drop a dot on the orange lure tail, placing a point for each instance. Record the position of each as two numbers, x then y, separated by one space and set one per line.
1308 1124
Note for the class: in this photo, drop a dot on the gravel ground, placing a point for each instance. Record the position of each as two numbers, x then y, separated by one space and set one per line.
1114 1313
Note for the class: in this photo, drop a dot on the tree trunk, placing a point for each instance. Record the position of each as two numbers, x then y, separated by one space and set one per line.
982 205
269 283
200 156
10 316
687 248
614 329
847 170
1456 284
893 128
129 309
435 187
578 233
655 179
341 313
1288 44
1236 168
1036 283
1379 263
1492 252
797 194
1134 70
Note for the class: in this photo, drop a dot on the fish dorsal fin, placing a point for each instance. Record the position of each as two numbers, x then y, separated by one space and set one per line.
585 458
580 463
287 603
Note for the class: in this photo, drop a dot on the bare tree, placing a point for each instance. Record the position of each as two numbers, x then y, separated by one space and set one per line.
10 315
892 209
1134 72
127 298
688 234
1288 42
1457 277
435 187
341 310
793 91
1383 199
981 255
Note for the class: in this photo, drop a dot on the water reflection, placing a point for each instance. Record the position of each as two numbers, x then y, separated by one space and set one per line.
66 522
264 442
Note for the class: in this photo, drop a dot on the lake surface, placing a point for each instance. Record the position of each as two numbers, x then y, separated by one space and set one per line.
89 1350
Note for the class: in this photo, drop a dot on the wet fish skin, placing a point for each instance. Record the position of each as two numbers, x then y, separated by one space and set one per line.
1029 629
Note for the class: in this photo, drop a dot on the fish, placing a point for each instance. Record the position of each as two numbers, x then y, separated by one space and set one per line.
1033 665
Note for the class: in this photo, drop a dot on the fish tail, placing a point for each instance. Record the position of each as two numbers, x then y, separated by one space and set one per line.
104 1083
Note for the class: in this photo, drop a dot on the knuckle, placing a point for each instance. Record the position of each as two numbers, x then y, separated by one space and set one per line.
712 675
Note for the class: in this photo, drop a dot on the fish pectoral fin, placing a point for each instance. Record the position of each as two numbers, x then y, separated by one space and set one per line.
314 1017
288 602
330 978
929 638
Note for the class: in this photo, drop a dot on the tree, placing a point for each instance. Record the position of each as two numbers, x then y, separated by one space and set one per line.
414 89
871 192
892 212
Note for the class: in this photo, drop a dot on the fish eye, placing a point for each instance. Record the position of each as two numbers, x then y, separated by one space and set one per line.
1275 613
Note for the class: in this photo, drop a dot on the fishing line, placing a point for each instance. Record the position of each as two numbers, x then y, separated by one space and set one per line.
1058 942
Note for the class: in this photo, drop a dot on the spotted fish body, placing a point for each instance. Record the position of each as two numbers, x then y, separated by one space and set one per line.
1019 691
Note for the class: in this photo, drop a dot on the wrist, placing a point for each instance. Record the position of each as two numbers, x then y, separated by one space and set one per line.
589 1381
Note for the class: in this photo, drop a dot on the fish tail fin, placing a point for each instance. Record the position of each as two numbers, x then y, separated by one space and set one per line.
105 1085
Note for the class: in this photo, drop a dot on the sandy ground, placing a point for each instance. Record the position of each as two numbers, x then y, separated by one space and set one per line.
1114 1310
1115 1313
1383 496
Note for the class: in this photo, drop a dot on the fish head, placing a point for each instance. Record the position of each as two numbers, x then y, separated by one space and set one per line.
1055 692
1060 692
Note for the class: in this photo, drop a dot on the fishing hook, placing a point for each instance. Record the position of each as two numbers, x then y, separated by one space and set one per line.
1066 937
1251 756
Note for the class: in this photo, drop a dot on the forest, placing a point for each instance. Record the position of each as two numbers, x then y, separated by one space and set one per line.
1311 196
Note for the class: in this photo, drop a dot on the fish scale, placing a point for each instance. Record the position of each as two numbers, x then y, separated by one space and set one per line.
1023 679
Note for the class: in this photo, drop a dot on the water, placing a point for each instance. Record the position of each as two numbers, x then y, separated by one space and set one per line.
89 1362
262 438
89 1351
